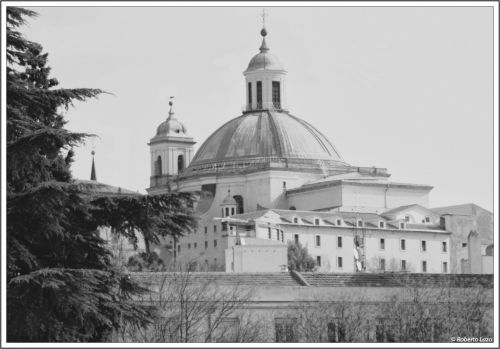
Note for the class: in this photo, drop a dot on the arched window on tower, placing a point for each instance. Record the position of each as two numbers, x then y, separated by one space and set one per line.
180 163
239 203
158 166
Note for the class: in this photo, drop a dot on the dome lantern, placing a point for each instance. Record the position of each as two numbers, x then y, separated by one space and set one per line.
228 205
265 80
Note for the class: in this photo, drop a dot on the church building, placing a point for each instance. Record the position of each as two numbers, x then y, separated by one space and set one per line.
268 178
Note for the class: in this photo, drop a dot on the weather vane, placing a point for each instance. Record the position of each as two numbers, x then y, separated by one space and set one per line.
263 15
171 101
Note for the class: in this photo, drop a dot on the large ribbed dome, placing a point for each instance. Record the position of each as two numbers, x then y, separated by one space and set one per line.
266 134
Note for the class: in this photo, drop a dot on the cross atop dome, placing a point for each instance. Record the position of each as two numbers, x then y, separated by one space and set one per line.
171 103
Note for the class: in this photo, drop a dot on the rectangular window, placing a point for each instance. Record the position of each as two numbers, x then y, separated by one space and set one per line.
206 230
339 262
424 245
318 261
195 245
318 240
224 226
179 248
401 225
382 264
382 244
336 332
403 265
424 266
339 241
285 330
227 211
278 234
282 236
360 223
295 220
232 211
384 330
227 331
250 95
444 246
407 218
316 221
206 245
339 222
259 94
445 267
189 246
296 238
276 95
215 243
269 233
403 244
427 219
215 229
381 225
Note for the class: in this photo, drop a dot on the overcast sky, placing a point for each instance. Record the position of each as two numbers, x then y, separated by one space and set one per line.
409 89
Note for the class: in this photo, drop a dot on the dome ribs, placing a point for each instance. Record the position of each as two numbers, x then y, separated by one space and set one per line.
274 130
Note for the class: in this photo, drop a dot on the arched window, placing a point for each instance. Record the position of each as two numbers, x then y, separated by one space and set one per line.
158 166
239 203
180 163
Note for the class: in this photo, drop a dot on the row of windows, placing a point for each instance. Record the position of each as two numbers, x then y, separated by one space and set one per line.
444 244
158 165
279 234
426 220
403 266
195 245
215 229
423 245
381 224
340 262
276 94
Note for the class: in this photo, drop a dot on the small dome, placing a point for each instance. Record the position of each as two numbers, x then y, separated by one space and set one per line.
266 61
171 127
229 200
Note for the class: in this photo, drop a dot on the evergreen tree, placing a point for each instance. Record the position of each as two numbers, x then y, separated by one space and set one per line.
61 285
299 258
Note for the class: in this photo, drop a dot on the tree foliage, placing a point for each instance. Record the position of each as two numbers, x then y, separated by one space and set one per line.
61 285
299 258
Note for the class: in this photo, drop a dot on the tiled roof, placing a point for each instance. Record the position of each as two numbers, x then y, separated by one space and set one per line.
97 188
465 209
324 279
250 215
221 278
397 280
399 209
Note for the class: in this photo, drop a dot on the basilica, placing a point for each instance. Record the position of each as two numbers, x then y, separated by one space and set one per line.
268 178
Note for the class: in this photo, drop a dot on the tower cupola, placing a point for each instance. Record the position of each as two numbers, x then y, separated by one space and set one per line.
228 205
265 80
171 150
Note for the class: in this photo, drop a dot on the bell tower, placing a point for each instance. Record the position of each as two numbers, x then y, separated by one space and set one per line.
171 152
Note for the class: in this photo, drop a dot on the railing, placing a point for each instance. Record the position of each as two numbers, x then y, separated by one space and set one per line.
158 181
273 106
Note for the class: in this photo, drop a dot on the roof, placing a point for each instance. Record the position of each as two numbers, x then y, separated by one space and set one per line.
266 135
396 280
464 209
222 278
264 60
97 188
369 181
348 218
287 279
